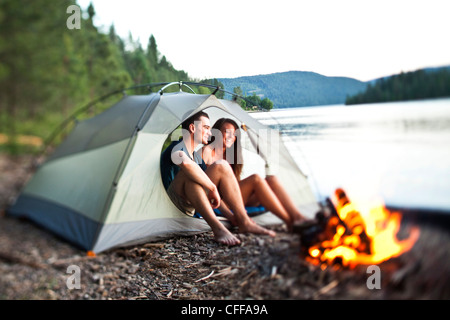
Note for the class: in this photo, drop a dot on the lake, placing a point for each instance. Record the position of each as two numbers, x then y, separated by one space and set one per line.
395 152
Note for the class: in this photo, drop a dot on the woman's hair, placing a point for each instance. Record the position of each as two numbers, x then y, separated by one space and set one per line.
233 154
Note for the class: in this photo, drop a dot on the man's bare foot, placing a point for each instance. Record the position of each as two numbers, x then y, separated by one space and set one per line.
226 237
252 227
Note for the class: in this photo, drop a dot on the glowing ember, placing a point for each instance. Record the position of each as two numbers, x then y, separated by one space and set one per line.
355 238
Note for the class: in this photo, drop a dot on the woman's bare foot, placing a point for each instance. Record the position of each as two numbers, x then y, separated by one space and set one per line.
299 225
296 222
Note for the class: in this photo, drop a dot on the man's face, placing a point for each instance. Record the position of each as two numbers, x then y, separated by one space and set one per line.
202 130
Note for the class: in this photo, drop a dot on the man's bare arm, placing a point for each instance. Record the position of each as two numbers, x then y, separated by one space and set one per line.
196 174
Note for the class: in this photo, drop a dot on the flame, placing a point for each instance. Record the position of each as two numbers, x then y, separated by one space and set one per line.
360 237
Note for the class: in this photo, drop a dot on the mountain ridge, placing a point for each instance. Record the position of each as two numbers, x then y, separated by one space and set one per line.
292 89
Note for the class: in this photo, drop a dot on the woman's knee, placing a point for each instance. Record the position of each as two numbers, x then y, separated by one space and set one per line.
221 166
256 179
272 180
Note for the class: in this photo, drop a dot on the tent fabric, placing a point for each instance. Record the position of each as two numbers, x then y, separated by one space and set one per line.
102 187
79 181
115 124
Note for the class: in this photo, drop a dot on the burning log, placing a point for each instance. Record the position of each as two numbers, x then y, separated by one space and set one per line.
341 234
353 223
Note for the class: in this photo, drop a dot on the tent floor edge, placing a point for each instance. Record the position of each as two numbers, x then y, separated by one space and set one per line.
64 223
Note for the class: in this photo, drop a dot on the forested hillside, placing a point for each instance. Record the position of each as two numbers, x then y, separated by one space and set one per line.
296 88
47 70
420 84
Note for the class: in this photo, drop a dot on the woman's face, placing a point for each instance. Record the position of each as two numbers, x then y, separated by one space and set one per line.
228 133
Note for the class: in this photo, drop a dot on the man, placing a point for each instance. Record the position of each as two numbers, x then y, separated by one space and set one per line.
193 187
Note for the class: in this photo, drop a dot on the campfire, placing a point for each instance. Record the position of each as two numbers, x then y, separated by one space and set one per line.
345 235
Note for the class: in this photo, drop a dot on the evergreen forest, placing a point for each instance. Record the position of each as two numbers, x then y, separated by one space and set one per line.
415 85
47 70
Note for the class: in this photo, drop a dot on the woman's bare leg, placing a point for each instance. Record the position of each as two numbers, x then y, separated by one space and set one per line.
222 176
285 199
256 187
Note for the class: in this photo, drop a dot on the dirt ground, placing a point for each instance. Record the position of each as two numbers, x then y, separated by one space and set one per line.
34 265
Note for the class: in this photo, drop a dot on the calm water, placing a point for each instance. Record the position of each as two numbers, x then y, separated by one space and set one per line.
398 152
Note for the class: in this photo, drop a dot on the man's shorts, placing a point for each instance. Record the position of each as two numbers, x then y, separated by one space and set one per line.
182 204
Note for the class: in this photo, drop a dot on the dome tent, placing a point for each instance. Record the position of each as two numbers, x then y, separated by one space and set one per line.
102 188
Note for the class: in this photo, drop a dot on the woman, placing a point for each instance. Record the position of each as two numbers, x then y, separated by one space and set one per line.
268 192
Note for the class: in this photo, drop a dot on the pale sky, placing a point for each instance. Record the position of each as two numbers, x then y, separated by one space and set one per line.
226 39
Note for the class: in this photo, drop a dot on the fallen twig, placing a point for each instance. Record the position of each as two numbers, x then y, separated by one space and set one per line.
204 278
225 272
326 289
154 245
10 258
247 277
71 260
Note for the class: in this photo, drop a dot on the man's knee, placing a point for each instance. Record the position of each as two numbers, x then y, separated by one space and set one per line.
192 187
185 187
194 193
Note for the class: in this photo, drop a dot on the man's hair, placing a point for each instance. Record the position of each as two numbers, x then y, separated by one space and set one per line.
196 117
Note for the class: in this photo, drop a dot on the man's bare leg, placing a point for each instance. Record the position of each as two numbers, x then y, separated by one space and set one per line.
222 176
226 212
196 195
